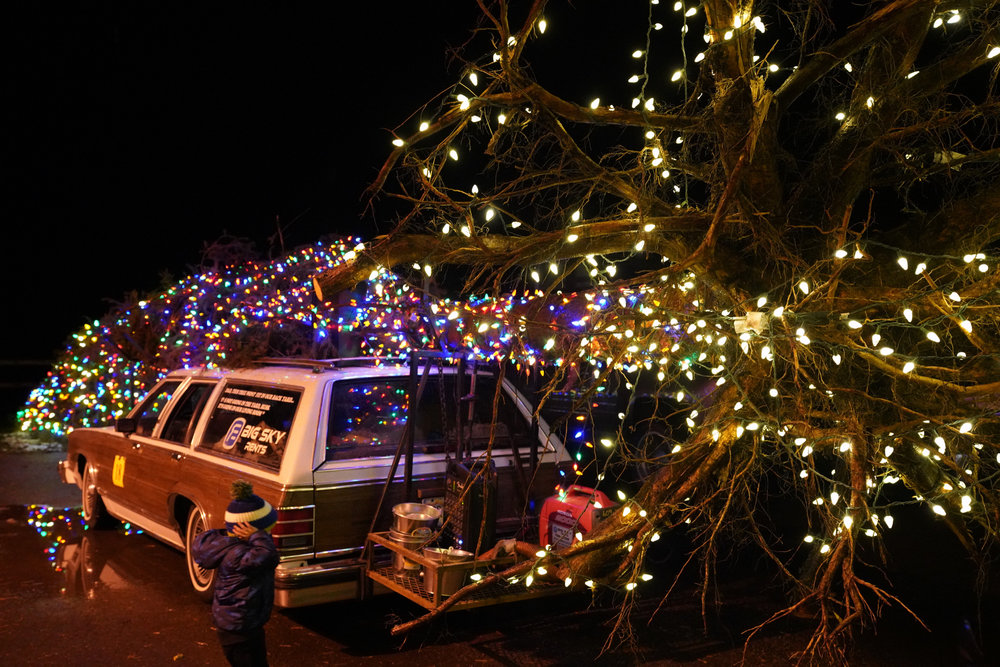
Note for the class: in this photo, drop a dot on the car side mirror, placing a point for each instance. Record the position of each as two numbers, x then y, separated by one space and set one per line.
126 425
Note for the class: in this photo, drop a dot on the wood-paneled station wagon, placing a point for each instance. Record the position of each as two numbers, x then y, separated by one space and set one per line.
332 444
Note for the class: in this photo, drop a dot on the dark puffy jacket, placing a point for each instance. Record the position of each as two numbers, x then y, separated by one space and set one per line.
244 584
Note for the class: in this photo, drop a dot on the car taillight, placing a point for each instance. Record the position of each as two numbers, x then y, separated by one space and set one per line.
294 529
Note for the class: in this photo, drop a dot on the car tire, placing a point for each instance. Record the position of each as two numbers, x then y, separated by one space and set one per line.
94 514
202 580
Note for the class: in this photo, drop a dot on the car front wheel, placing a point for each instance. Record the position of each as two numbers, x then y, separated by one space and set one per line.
93 511
202 580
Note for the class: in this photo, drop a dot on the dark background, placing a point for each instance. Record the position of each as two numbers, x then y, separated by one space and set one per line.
134 133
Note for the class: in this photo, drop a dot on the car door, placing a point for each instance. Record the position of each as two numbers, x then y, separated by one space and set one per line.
163 459
130 468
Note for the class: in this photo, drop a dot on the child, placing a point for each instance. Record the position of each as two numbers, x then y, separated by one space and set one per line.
245 557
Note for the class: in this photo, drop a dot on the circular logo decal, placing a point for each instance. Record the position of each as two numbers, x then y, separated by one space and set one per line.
234 432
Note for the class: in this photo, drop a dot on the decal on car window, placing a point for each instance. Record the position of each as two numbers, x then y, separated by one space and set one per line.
252 423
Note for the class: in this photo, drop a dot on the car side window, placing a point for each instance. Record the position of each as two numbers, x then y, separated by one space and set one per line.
180 424
149 411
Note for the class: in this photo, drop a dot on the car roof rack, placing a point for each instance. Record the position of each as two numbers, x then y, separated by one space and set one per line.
318 365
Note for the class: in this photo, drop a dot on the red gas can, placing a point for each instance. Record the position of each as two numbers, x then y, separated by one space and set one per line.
578 510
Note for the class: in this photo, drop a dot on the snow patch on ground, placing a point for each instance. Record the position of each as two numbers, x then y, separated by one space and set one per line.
19 442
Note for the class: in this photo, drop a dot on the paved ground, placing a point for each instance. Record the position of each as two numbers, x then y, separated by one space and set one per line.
114 598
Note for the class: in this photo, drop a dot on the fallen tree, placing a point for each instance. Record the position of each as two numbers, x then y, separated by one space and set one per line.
800 221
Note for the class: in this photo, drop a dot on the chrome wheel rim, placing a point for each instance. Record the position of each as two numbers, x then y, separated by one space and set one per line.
201 577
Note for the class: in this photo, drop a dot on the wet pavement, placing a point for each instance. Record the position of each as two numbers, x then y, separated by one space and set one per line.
74 596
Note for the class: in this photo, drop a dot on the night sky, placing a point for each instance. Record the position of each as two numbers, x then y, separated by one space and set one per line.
136 132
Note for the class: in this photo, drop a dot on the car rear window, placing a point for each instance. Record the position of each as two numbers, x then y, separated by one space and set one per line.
251 423
366 418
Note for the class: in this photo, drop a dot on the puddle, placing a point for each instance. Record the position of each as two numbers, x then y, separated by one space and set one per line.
49 551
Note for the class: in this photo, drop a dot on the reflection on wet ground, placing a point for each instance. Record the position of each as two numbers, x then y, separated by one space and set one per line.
61 556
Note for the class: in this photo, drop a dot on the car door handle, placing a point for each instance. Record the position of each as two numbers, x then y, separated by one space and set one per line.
176 456
136 445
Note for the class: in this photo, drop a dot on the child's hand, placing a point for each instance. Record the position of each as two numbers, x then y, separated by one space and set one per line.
243 530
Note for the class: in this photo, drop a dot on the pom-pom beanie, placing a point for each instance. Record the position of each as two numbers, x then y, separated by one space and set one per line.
248 507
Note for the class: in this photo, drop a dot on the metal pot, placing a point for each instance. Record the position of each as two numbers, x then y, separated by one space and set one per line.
411 541
451 579
410 517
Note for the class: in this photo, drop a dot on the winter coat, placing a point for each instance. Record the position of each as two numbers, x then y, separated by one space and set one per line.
244 583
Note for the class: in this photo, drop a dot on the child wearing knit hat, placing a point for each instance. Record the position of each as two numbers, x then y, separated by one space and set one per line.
244 555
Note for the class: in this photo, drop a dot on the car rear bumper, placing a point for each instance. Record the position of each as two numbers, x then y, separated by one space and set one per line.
316 583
